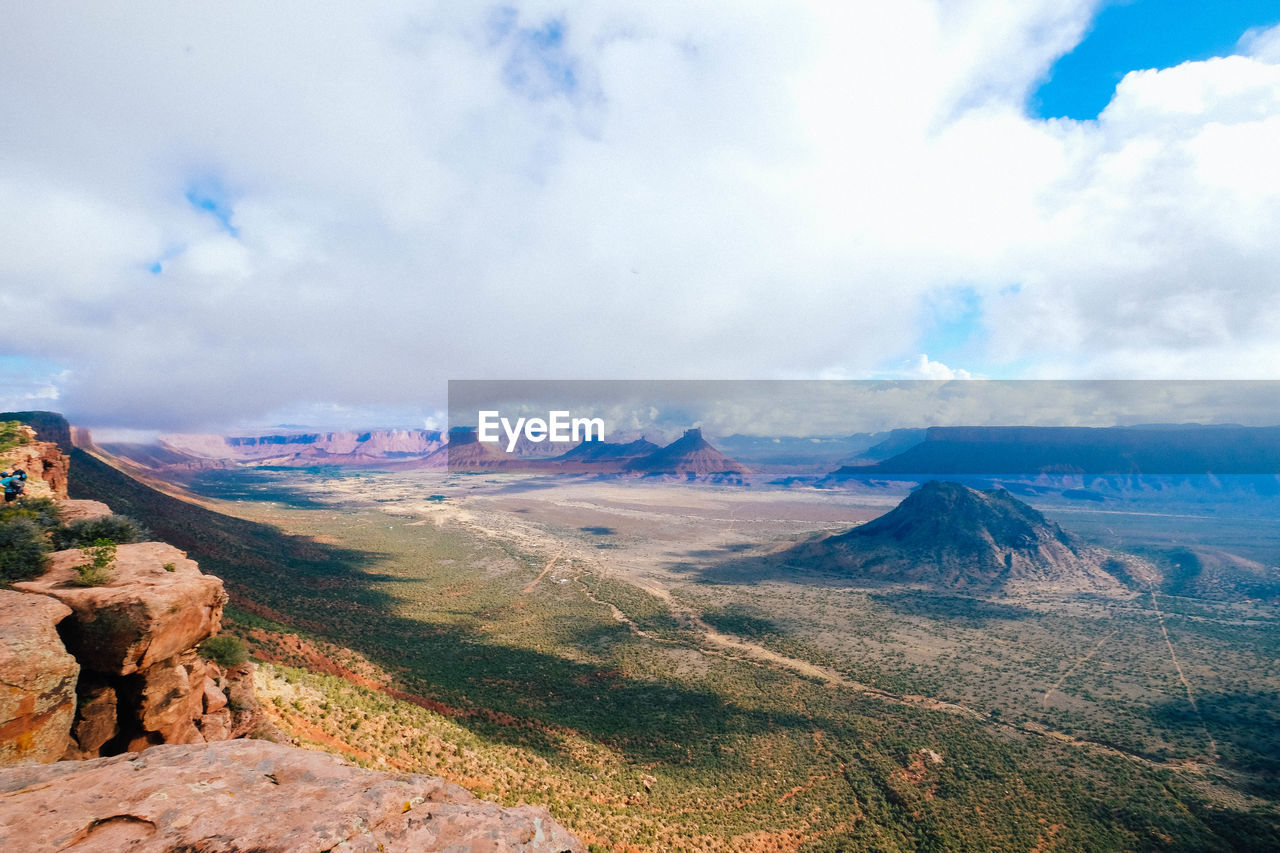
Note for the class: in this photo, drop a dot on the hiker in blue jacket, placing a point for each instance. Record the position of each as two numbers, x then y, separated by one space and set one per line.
14 484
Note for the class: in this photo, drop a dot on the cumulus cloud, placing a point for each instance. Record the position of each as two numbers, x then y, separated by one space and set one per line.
248 210
923 367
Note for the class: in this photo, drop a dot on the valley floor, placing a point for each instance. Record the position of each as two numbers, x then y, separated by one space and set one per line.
611 650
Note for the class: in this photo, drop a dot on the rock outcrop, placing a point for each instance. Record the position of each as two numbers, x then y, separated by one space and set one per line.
255 796
143 682
156 606
690 457
37 679
45 464
81 510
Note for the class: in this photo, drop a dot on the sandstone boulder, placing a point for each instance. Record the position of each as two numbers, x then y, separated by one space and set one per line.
216 725
171 699
82 510
96 721
237 684
252 795
157 606
37 679
214 699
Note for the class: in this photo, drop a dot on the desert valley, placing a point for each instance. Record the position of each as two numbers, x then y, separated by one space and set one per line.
676 665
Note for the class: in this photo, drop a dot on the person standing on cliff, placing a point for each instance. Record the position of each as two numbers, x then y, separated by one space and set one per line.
14 484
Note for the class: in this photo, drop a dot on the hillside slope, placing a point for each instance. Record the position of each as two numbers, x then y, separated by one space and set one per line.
951 536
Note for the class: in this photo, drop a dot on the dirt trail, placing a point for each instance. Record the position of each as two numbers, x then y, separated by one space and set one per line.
551 564
746 647
1173 656
1044 703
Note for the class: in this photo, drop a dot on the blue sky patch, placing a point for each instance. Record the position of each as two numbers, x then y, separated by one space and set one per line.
27 382
539 65
156 267
955 322
209 196
1129 35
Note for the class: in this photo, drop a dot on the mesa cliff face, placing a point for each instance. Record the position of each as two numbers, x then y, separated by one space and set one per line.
44 462
368 448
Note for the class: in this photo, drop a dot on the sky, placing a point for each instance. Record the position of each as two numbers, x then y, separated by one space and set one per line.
254 214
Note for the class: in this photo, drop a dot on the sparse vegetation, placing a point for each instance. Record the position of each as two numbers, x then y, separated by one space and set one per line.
44 512
12 435
23 548
118 528
226 650
417 648
101 566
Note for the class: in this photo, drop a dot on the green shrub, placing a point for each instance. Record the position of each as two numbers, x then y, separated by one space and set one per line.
226 650
101 565
11 435
44 512
22 549
118 528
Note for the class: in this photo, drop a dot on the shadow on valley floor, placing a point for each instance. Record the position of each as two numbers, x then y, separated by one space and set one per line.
959 609
529 485
737 564
232 548
256 484
721 551
1245 727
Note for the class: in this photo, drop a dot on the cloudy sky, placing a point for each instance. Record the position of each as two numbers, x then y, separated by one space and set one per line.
251 213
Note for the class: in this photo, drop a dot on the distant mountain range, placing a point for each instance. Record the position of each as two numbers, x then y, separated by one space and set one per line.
963 453
1155 450
369 448
689 458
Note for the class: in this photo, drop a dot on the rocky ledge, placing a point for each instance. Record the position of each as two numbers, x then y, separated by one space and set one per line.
247 795
45 464
37 679
142 681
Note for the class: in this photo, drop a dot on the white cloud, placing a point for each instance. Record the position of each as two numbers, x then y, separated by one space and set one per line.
776 191
922 367
1262 43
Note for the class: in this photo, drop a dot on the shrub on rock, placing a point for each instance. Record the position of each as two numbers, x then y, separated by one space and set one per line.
23 549
226 650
